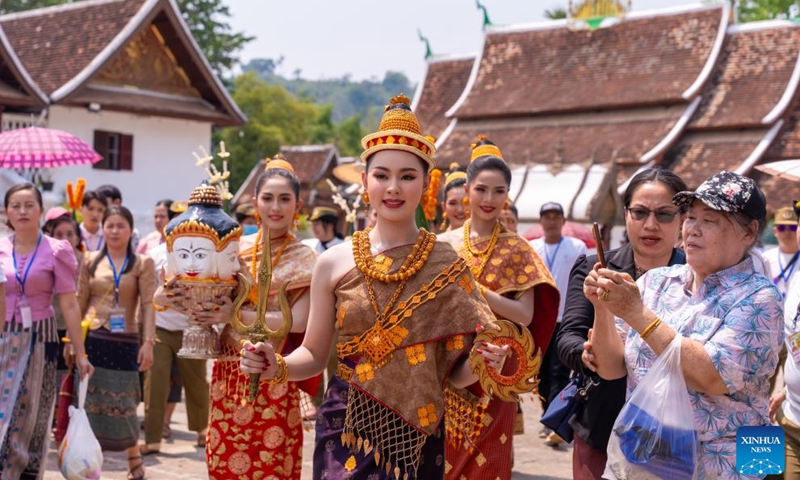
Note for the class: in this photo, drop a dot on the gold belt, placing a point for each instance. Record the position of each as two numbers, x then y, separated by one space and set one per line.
344 372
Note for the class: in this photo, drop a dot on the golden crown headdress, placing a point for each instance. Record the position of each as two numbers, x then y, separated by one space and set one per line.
482 147
399 130
278 161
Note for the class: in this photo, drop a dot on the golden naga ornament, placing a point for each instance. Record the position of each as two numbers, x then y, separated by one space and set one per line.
522 353
260 331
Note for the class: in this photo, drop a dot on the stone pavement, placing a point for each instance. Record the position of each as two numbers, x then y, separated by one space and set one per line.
180 459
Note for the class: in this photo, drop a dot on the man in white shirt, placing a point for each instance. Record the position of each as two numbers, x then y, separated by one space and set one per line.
783 260
324 222
559 254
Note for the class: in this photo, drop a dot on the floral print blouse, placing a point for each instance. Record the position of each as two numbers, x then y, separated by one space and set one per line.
737 314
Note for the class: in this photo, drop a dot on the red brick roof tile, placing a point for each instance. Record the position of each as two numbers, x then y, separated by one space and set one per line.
56 43
310 162
444 82
779 192
753 73
642 61
697 157
787 145
575 138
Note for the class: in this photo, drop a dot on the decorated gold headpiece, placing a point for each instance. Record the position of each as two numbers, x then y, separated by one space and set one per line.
204 218
399 130
279 161
483 147
454 175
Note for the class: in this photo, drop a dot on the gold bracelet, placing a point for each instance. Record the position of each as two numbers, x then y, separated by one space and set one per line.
283 371
158 307
650 328
482 289
150 340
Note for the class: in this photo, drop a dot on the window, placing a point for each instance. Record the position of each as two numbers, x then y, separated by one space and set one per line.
116 150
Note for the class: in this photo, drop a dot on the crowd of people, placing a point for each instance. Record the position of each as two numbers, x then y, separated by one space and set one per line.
370 310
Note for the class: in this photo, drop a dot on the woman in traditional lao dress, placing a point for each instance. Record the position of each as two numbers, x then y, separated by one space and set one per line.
264 439
113 284
386 294
518 288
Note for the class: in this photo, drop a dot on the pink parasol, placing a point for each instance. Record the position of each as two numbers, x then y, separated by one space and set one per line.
570 229
36 147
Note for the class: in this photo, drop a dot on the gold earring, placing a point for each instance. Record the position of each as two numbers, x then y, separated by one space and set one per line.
296 218
258 219
365 198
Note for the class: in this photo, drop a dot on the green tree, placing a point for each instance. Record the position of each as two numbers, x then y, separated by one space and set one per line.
555 13
11 6
207 19
275 118
754 10
348 136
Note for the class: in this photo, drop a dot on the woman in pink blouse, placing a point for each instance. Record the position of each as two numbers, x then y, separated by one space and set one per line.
38 267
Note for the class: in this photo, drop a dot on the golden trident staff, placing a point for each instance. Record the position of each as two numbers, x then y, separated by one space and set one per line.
259 331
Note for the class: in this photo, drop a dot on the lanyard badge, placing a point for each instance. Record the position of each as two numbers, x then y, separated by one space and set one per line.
116 316
23 307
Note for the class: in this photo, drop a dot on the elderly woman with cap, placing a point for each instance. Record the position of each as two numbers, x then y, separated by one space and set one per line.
728 314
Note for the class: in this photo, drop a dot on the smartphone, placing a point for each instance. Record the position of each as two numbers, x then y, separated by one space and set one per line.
601 257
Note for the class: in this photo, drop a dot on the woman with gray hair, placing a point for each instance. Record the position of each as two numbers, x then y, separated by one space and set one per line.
729 315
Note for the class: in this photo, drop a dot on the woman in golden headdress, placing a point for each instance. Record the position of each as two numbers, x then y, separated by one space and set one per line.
454 212
263 438
386 293
518 288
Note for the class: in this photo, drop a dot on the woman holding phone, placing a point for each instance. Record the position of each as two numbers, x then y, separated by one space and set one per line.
653 223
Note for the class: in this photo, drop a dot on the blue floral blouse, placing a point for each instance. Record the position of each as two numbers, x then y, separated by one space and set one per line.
737 314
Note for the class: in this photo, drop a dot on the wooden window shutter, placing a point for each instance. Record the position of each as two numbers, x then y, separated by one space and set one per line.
101 147
126 152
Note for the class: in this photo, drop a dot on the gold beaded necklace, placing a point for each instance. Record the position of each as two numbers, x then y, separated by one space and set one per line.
486 253
362 253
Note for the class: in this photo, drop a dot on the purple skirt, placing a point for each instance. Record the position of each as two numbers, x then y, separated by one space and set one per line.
330 455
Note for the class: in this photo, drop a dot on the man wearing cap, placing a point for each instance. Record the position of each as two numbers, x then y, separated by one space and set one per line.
559 253
782 260
323 222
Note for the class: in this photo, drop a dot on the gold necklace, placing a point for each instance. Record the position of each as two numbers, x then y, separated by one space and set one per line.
362 255
485 253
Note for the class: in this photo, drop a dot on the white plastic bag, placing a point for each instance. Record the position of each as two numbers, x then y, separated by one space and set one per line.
654 436
80 456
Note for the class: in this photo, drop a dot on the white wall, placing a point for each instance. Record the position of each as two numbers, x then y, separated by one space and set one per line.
163 164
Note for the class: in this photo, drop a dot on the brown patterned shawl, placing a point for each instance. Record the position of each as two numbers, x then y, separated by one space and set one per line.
513 268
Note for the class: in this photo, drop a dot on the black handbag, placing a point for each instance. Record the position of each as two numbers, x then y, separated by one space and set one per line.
566 406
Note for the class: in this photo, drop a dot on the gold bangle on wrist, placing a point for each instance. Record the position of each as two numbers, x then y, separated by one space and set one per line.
650 328
158 307
150 340
283 371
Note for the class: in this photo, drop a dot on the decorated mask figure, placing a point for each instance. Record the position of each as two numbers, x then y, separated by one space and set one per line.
202 242
202 246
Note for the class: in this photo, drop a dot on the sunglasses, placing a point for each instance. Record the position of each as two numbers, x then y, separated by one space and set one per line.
783 228
640 214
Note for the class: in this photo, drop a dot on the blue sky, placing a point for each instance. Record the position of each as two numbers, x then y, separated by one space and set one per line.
365 38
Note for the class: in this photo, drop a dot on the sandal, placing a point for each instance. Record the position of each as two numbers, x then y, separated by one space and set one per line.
149 448
138 468
166 432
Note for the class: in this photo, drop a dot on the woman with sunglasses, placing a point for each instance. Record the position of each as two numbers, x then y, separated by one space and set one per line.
652 222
